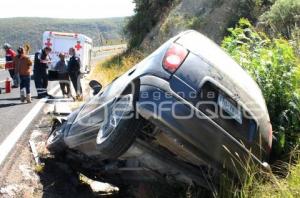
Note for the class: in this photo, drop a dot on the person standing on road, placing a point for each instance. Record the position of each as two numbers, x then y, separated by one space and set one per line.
74 73
64 82
41 61
9 57
23 64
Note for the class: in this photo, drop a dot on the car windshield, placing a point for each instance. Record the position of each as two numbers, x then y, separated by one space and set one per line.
93 103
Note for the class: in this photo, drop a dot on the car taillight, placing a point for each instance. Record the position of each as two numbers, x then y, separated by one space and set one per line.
270 135
174 57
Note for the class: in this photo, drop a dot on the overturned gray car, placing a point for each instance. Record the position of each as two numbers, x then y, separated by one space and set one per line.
186 111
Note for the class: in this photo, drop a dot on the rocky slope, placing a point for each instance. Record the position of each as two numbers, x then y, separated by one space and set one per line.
211 17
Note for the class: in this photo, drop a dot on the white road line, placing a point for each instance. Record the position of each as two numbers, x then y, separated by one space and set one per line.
9 143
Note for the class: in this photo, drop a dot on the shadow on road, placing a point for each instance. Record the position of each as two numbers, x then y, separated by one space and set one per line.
3 99
10 105
13 103
14 99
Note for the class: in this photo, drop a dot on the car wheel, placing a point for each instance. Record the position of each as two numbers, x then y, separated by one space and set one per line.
118 132
55 141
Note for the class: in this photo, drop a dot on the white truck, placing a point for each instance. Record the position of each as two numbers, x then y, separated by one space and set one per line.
61 42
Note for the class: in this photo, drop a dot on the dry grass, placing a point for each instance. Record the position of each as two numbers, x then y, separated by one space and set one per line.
39 168
289 186
109 69
255 182
273 186
260 184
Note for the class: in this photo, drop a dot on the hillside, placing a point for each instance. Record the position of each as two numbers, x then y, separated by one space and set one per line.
17 31
210 17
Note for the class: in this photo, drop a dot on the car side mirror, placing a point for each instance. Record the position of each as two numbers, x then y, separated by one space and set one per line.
96 86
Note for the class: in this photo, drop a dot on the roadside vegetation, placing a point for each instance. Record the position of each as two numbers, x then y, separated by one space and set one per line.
115 66
273 64
148 14
260 184
266 43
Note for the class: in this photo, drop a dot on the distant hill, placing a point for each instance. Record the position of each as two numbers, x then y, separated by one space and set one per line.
18 31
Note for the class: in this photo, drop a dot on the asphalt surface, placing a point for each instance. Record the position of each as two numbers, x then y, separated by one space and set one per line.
12 111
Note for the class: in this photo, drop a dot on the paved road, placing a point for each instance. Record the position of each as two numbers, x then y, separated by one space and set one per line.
12 111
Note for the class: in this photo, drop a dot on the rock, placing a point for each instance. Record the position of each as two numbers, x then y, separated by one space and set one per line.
28 173
62 108
10 190
102 187
35 134
99 187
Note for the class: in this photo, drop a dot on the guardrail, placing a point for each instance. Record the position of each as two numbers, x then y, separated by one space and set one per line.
97 50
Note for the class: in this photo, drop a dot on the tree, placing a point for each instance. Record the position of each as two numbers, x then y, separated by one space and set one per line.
147 15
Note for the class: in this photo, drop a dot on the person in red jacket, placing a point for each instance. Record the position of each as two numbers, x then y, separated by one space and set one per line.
10 54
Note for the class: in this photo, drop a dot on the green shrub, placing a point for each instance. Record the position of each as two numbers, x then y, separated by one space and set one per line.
274 66
147 15
282 17
252 9
296 40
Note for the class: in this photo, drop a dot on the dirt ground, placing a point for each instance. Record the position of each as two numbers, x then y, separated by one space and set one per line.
21 176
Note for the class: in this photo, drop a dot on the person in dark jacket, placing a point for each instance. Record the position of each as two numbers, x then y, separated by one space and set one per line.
41 61
74 73
64 82
22 64
9 57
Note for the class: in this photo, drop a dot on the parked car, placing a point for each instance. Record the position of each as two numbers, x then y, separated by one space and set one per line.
183 112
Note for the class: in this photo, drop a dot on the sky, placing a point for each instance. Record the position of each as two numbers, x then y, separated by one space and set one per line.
66 8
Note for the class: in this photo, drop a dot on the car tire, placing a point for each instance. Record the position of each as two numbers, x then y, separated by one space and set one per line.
55 141
120 138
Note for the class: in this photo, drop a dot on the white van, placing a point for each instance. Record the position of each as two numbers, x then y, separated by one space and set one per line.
61 42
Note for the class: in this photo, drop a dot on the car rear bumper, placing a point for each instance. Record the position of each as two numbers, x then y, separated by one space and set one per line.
191 128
